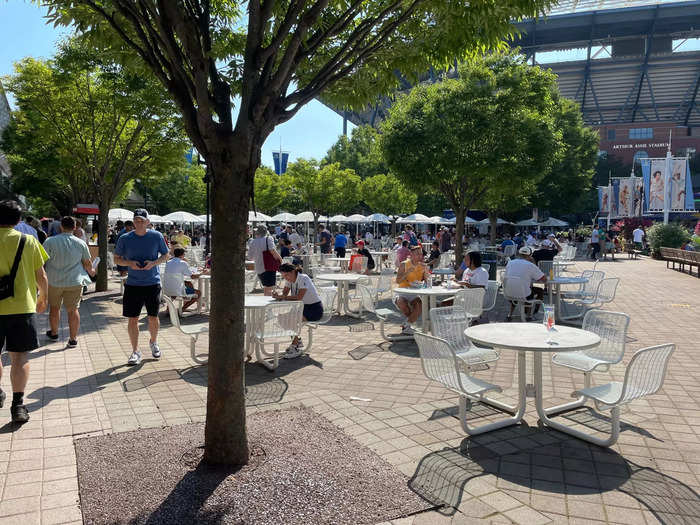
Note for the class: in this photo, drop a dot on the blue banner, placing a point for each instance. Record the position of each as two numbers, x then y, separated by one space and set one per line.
614 197
646 177
188 156
280 167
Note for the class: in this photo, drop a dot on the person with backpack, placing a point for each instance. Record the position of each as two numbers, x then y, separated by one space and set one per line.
22 275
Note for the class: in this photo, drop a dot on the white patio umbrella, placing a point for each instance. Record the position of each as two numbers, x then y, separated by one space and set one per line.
416 218
157 219
527 222
379 217
338 218
356 218
182 216
256 216
305 216
499 222
554 223
120 214
468 220
284 217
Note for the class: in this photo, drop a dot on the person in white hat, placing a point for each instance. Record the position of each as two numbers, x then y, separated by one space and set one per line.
528 273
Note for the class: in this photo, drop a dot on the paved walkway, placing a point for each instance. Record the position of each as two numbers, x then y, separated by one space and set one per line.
521 474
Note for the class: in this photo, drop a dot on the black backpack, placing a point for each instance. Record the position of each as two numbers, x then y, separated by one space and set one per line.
7 282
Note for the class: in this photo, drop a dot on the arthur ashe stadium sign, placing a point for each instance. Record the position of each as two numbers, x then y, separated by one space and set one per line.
640 146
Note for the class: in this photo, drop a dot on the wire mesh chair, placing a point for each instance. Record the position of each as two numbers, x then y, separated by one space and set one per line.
471 300
174 287
440 364
193 331
491 295
644 375
444 265
549 268
368 304
612 329
327 296
279 323
587 289
251 280
604 294
516 291
449 323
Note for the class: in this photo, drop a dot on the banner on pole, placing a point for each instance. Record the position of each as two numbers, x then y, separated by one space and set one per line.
679 190
625 197
604 200
280 163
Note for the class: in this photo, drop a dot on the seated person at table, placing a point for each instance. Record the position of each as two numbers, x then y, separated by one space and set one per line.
286 248
410 271
341 242
299 287
361 250
178 264
434 257
475 275
507 241
524 269
549 248
402 253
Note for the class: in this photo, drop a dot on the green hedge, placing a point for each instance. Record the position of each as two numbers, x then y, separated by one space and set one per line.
671 235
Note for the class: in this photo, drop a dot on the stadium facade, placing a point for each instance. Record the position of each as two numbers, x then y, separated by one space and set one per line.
632 65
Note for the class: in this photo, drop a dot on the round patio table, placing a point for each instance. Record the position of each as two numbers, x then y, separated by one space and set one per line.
343 280
556 283
431 294
530 337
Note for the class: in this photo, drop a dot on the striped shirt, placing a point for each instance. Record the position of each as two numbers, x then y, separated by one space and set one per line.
65 266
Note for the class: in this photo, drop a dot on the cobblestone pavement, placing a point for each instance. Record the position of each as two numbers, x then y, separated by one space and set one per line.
522 474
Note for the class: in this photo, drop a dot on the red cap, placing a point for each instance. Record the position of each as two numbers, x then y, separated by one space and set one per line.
360 242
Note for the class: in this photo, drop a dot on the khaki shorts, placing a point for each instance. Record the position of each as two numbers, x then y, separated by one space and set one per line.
68 295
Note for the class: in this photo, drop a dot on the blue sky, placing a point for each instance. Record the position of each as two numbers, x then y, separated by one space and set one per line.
23 32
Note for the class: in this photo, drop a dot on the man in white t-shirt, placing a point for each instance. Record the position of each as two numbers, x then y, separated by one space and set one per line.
595 243
528 273
178 265
369 237
294 238
638 237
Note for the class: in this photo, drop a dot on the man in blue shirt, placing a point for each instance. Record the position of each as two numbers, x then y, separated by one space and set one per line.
507 241
141 251
341 242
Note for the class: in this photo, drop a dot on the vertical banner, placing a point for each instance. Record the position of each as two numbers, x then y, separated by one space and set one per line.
614 197
638 196
604 199
677 185
280 163
625 197
655 189
689 197
646 178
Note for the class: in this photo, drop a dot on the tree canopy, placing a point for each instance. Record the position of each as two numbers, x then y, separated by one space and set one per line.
271 190
91 127
360 152
182 189
387 194
483 139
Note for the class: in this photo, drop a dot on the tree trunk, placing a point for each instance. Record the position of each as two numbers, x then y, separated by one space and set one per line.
493 220
101 283
460 216
232 175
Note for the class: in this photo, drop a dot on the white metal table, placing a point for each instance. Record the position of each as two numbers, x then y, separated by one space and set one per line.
343 281
342 261
523 338
254 304
383 257
431 294
556 283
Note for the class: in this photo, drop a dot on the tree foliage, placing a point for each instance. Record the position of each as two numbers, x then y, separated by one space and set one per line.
94 125
183 189
273 57
271 190
387 194
483 140
671 235
326 189
360 152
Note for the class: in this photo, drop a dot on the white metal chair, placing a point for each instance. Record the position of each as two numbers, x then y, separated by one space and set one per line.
587 289
441 364
612 328
367 303
491 295
508 252
251 281
471 300
174 287
514 290
444 265
644 375
449 323
191 330
327 295
382 284
605 293
279 323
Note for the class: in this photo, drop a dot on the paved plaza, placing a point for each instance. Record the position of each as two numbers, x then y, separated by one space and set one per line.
524 474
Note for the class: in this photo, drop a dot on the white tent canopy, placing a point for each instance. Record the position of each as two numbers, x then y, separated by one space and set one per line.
182 216
469 220
305 216
254 216
499 222
527 222
554 223
378 217
120 214
441 220
416 218
284 217
338 218
356 218
157 219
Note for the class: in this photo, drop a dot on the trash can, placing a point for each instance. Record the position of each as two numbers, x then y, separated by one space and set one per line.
490 258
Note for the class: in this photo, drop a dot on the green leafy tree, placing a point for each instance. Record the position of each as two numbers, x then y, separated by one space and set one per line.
671 235
326 189
430 204
360 152
271 190
99 125
183 189
386 194
483 139
272 58
566 187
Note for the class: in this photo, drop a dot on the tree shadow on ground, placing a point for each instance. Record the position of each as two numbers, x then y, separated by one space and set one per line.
546 460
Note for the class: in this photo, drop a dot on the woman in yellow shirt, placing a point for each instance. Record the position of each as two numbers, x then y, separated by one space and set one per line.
411 270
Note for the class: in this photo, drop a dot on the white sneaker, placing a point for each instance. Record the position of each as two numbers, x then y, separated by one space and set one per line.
407 330
155 350
292 352
134 358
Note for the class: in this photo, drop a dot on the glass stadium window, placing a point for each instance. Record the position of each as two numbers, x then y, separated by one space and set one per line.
641 154
641 133
602 153
611 134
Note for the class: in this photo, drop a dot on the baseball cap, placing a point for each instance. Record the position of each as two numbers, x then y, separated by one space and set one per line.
140 212
360 243
525 250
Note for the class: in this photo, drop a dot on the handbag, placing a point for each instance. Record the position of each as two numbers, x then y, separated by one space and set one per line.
7 282
269 261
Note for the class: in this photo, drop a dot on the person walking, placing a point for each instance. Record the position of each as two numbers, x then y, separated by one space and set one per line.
22 269
68 269
141 250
